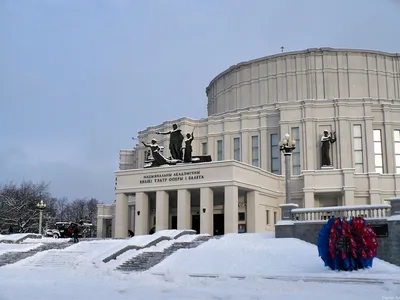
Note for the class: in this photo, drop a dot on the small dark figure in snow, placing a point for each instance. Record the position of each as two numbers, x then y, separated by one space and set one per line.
131 233
76 234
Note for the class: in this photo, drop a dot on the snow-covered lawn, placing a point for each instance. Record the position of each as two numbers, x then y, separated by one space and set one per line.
249 255
261 255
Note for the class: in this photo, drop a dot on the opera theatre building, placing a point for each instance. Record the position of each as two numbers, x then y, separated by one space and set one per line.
340 108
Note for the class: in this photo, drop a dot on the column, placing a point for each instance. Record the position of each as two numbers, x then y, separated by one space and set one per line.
231 209
132 221
369 143
162 210
121 216
264 149
100 227
253 201
142 214
245 141
374 189
228 152
310 140
184 214
309 199
344 141
348 187
389 163
206 211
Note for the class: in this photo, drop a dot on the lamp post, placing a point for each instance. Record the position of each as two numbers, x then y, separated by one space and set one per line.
41 206
287 145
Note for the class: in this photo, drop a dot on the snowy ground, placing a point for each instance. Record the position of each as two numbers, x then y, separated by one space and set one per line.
249 255
17 247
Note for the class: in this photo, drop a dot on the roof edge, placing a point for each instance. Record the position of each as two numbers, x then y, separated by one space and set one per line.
306 51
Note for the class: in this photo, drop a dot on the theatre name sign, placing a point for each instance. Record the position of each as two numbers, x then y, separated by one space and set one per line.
171 177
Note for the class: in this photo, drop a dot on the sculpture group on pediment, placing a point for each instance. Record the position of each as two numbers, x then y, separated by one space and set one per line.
179 153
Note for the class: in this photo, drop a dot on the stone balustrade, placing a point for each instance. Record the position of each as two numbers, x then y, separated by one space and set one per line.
376 211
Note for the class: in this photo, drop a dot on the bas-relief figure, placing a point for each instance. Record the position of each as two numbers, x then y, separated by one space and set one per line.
179 154
326 140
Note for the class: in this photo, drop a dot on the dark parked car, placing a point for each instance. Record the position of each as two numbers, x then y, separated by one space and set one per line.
66 229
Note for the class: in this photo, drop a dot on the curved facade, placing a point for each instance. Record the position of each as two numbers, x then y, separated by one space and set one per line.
251 106
323 73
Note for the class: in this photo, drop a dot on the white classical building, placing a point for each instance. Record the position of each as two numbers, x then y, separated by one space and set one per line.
251 106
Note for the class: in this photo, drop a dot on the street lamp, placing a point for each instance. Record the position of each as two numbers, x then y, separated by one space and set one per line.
287 145
41 206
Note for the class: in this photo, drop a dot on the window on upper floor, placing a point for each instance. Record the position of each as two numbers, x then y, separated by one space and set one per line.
296 167
220 150
204 150
275 154
255 154
236 149
357 148
378 151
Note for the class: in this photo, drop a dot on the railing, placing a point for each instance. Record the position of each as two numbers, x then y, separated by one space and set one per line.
376 211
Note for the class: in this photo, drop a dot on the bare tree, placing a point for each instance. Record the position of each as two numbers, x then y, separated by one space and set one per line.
19 212
18 206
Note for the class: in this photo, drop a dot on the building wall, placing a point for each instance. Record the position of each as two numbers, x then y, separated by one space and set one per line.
322 73
254 104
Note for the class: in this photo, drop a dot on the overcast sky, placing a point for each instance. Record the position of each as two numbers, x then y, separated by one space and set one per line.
79 78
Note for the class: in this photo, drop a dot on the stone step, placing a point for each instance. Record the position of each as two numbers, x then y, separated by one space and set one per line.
147 260
13 257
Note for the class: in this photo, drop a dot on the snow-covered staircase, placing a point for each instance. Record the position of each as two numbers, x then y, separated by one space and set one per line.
13 257
147 260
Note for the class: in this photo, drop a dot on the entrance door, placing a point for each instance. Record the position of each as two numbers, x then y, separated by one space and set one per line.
196 223
174 222
218 224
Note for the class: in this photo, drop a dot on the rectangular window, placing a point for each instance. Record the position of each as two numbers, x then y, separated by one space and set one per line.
357 147
236 149
267 216
204 149
220 150
296 167
378 151
255 161
275 154
397 149
275 217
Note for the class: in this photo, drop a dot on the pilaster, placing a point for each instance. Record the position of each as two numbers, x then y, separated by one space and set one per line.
253 202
